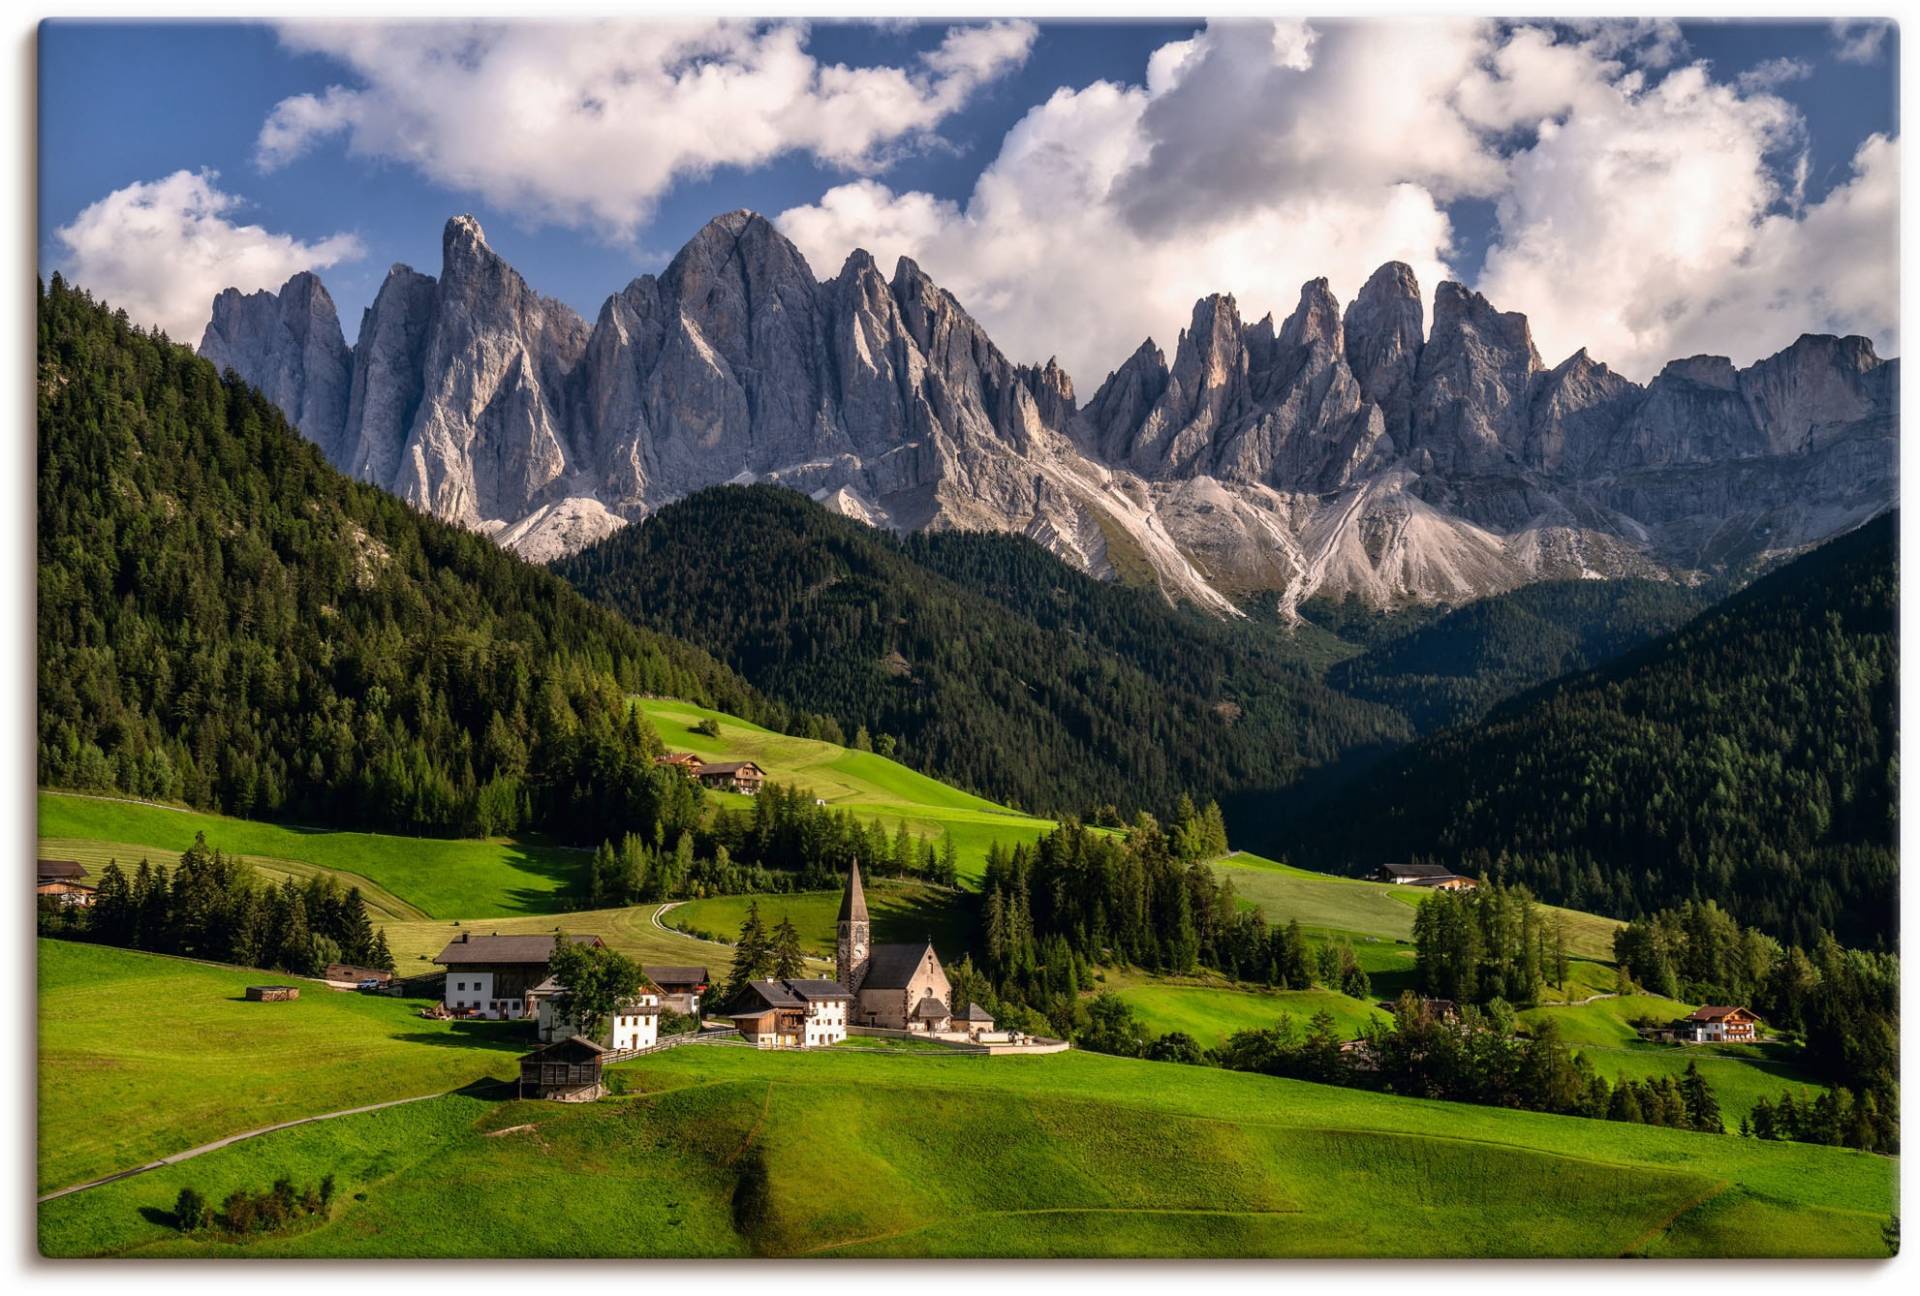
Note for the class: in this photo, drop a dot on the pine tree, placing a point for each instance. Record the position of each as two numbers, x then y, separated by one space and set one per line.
788 960
752 954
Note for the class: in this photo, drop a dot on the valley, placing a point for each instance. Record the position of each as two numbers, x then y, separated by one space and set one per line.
338 691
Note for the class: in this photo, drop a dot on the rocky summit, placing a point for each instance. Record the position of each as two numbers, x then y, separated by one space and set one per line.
1357 453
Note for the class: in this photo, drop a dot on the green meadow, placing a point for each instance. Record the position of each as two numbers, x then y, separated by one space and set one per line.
142 1056
428 876
1210 1013
902 910
1319 900
728 1151
1740 1074
630 930
870 785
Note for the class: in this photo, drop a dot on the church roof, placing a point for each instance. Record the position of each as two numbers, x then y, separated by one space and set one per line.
930 1007
891 967
853 905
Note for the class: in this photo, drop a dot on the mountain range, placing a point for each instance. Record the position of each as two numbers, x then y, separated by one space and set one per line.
1359 453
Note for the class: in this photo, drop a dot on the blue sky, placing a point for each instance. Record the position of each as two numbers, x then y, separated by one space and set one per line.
124 105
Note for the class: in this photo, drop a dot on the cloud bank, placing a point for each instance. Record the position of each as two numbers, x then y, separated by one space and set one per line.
162 249
588 124
1645 209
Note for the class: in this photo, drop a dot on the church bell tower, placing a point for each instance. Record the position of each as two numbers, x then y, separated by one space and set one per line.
855 942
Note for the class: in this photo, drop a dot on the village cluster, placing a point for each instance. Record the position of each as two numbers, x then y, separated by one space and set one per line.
877 989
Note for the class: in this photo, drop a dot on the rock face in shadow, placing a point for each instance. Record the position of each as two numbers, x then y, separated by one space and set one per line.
1340 452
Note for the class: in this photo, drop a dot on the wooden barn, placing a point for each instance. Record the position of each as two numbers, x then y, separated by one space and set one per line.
567 1070
732 776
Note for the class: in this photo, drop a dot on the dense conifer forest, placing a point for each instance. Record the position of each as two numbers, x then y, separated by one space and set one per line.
227 621
1453 669
981 658
1749 757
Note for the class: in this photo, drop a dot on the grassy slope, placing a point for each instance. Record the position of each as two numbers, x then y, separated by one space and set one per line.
439 877
178 1058
869 785
1210 1013
1740 1074
630 930
902 910
726 1151
1373 908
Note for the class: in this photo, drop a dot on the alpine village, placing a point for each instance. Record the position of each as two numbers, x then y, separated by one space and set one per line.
788 868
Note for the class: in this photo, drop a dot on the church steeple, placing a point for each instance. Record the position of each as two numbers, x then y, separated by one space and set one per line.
855 942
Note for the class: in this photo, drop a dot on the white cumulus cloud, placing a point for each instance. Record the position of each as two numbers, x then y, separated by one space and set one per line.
161 250
1644 209
588 124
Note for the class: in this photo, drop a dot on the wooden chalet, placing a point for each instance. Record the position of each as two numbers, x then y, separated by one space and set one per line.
685 762
680 986
567 1070
1718 1024
1424 875
732 776
490 976
61 880
800 1013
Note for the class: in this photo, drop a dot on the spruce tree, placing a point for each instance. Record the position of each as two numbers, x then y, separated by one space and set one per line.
788 960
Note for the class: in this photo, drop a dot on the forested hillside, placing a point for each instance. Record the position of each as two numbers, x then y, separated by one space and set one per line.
1454 669
225 620
978 658
1749 757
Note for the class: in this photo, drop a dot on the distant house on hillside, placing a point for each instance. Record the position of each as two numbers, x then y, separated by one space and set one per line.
1717 1024
685 762
801 1013
490 976
635 1024
348 972
732 776
680 987
1424 875
61 879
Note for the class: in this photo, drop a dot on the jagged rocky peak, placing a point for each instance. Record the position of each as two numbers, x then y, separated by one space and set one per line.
1705 370
1385 333
1317 450
1052 392
289 345
1472 387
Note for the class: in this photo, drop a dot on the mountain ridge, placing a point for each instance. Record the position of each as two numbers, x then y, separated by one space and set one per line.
1350 452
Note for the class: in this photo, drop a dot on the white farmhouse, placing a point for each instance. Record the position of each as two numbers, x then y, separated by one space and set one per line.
634 1025
800 1013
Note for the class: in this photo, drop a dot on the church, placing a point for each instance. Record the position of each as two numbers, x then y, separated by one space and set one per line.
894 987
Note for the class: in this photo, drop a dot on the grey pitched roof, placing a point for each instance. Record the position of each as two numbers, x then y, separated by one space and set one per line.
891 967
1417 870
975 1012
488 951
727 767
931 1007
797 993
853 904
662 974
574 1046
64 870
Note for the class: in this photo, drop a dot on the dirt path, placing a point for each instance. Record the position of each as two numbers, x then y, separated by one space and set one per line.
229 1140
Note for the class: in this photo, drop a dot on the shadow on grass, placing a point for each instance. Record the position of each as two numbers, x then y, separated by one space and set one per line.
502 1037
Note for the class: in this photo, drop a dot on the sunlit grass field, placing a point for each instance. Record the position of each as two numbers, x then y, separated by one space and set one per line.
142 1056
903 910
431 876
715 1151
1210 1014
870 785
